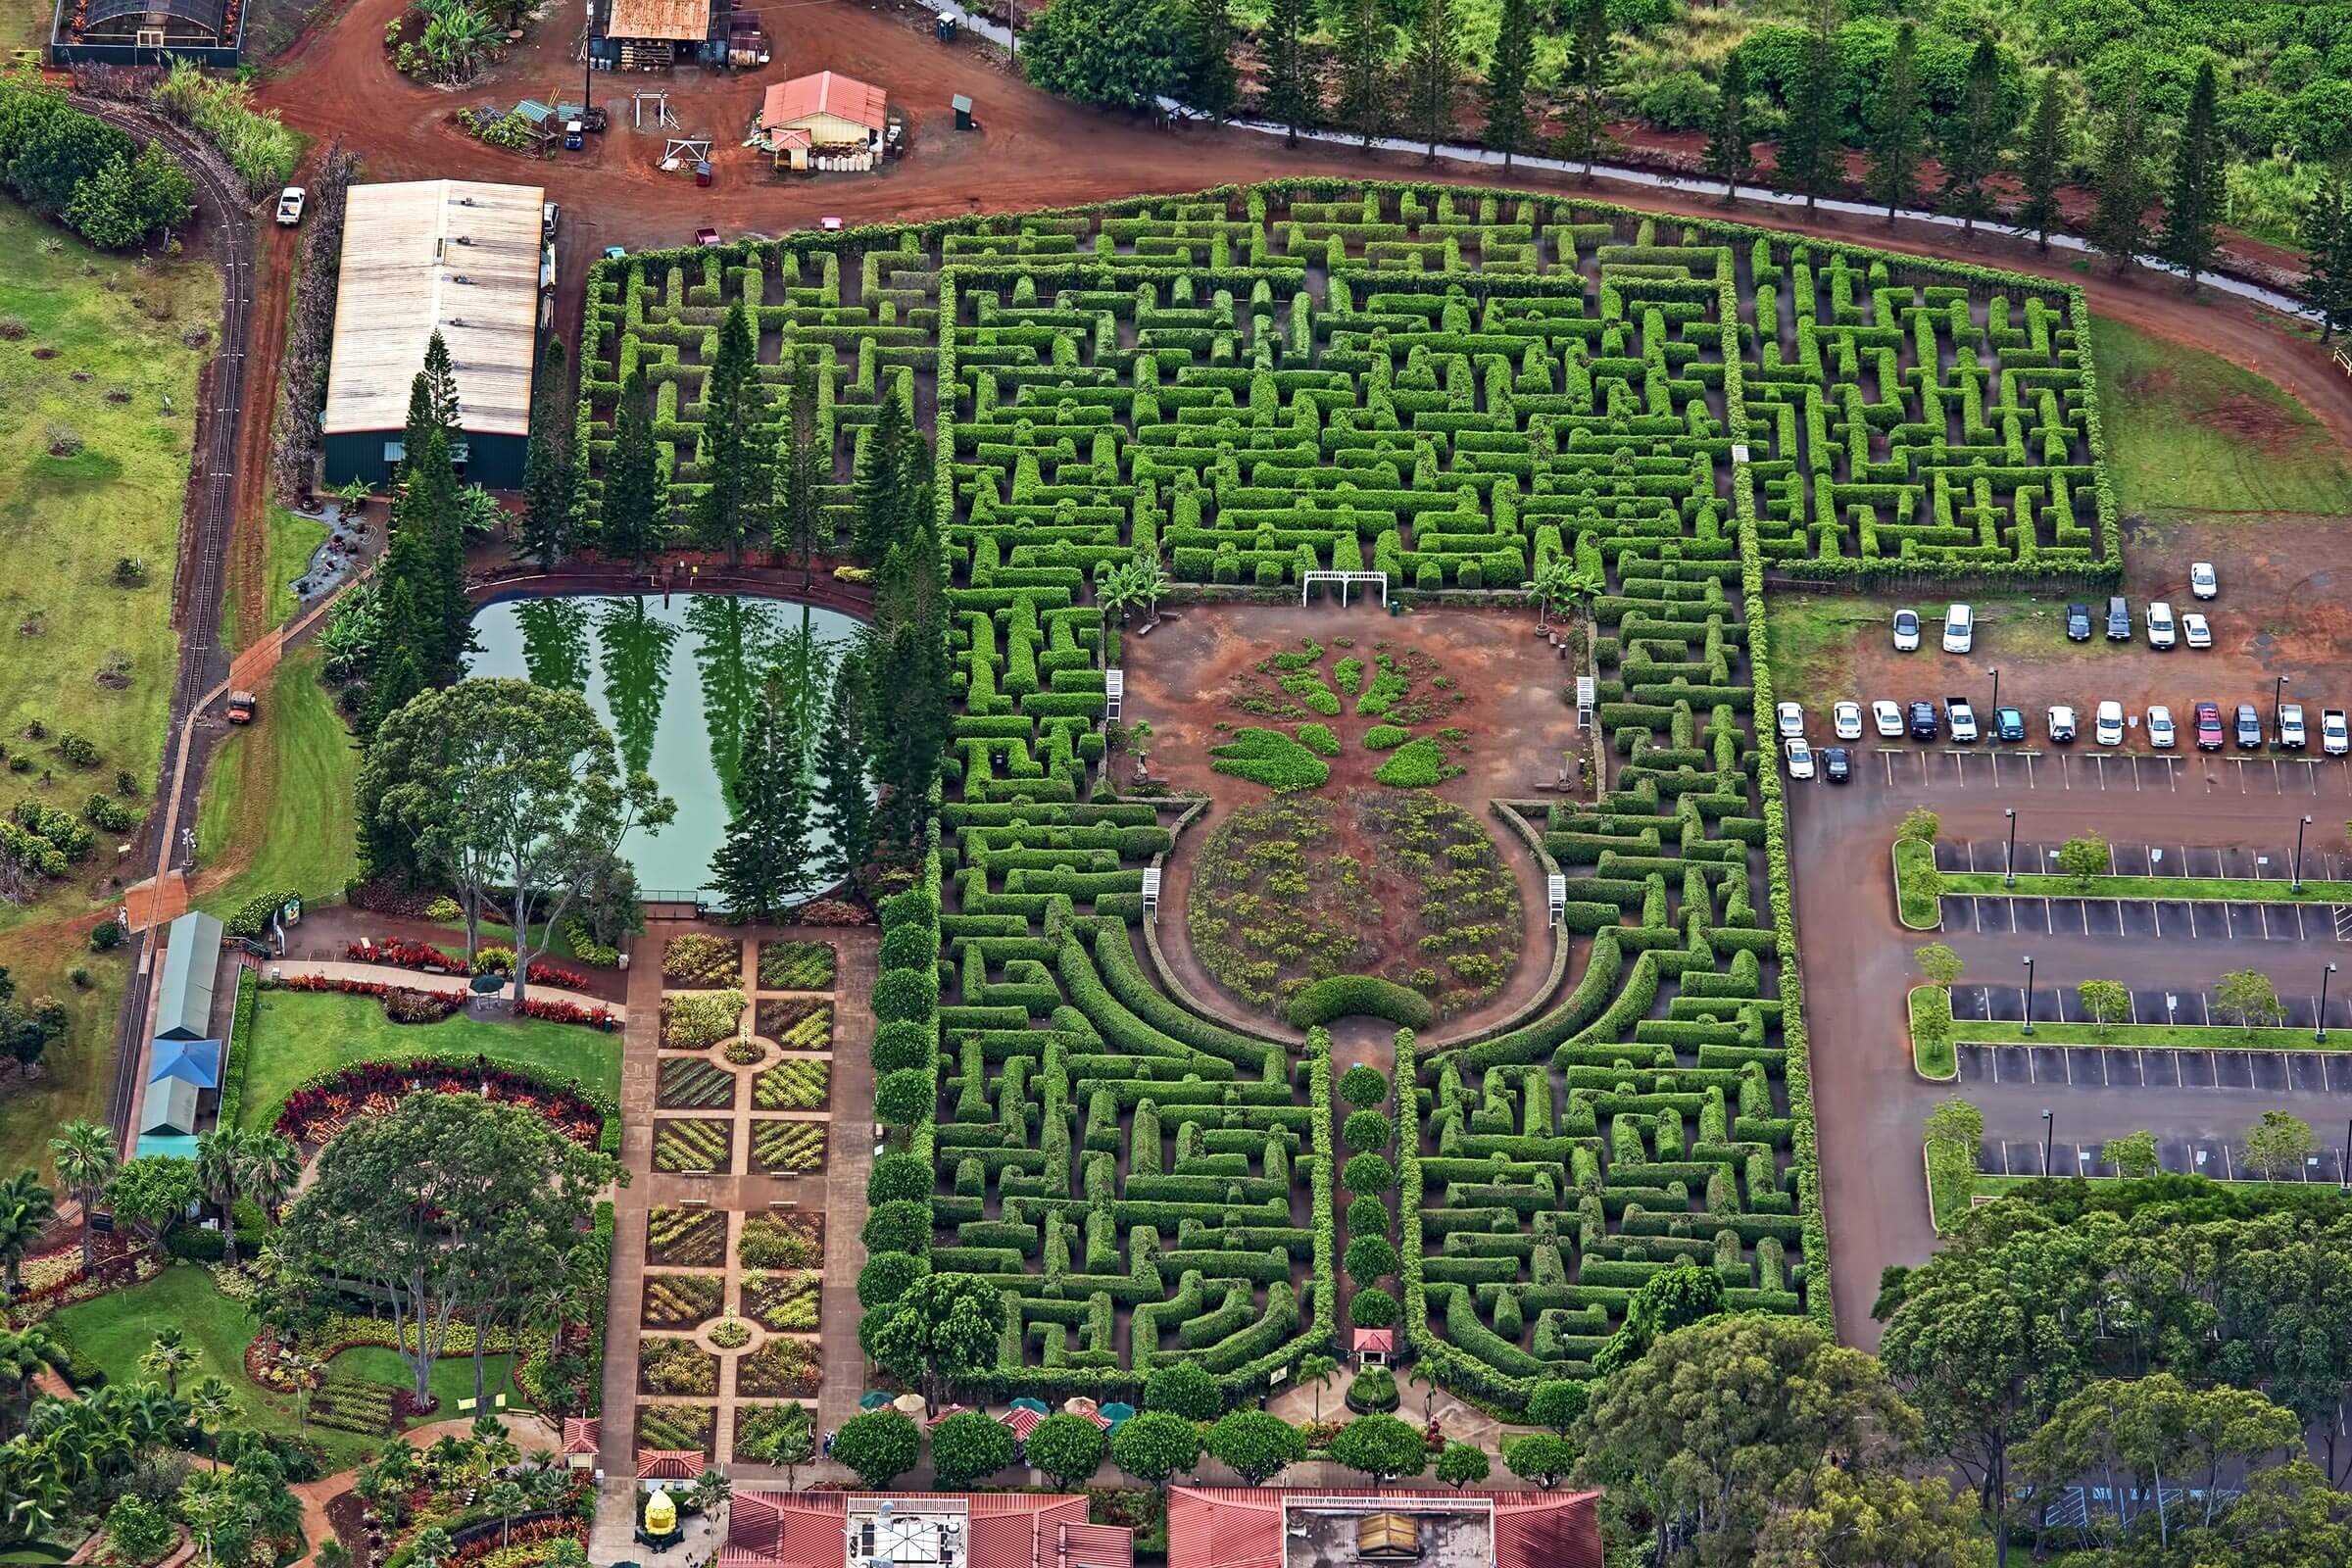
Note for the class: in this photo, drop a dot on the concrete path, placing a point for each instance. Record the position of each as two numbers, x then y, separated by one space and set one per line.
388 974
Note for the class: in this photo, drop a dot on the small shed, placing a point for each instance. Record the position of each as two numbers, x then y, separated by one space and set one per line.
963 112
1374 1347
824 113
168 1109
650 35
183 1008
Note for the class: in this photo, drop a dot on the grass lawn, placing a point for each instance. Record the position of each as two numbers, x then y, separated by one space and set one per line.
2122 1036
453 1375
79 1070
277 796
2188 430
300 1033
114 331
288 546
2190 889
1915 879
1810 635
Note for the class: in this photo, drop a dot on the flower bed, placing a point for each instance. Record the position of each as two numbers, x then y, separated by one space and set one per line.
671 1365
700 1021
792 1086
402 1004
788 1147
701 960
681 1300
796 965
554 1010
401 955
685 1238
831 911
797 1024
780 1367
355 1404
787 1303
782 1241
324 1107
692 1083
687 1143
674 1426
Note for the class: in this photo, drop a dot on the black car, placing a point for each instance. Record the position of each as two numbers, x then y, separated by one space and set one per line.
2119 619
1924 724
1837 764
2248 725
2077 623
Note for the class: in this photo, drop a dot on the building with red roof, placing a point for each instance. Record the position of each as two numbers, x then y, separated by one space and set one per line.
826 111
920 1530
1284 1526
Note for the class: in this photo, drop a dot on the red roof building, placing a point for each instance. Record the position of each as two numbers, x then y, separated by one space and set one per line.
1279 1527
826 101
1382 1342
920 1530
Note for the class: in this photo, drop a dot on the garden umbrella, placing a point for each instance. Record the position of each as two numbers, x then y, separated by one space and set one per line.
1116 1414
909 1403
1024 1402
874 1401
1078 1404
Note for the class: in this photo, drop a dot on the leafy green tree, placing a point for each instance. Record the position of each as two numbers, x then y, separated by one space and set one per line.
1921 825
166 1356
1938 964
153 1192
2132 1155
2248 999
1509 127
2118 219
1210 84
1462 1464
137 1531
1543 1458
1898 137
219 1170
1592 69
1971 145
634 522
1382 1448
968 1446
736 450
1156 1446
2163 1433
879 1447
128 198
1125 53
2279 1144
2106 1001
550 490
1867 1520
945 1329
2194 201
1731 138
2042 166
83 1156
1184 1389
2084 856
1558 1403
1364 43
1255 1444
1668 1301
1293 94
1809 158
1066 1448
1434 67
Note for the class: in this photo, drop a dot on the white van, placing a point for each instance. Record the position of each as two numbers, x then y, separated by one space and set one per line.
2162 632
1959 629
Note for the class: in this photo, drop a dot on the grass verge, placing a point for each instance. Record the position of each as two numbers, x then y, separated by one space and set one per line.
77 1071
2188 889
1918 885
278 796
2125 1036
1932 1053
289 541
300 1033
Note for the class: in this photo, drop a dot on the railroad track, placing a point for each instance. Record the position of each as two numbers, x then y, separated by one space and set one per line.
202 554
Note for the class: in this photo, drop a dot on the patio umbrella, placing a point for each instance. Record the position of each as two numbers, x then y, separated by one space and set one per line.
1078 1404
1116 1414
1024 1402
874 1401
908 1404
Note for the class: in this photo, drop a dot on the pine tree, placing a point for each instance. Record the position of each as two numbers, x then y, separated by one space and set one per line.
398 675
2328 254
1509 127
801 469
2119 219
765 857
1208 37
1364 40
635 522
2043 160
1293 94
1591 65
1897 141
845 764
1973 150
2193 206
551 495
441 383
431 506
909 731
736 447
1809 154
1730 145
1436 67
885 482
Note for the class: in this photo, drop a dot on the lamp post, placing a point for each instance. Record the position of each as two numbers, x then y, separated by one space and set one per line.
2048 1121
2297 885
2321 1031
2028 993
2278 696
2009 865
1995 715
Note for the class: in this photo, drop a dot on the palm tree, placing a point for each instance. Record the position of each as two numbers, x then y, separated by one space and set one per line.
85 1159
504 1499
270 1165
433 1547
25 1209
221 1170
1317 1372
155 1416
305 1373
710 1489
166 1356
567 1552
331 1553
212 1408
1560 585
22 1357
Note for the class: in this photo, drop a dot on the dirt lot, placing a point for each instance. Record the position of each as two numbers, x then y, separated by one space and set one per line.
1178 679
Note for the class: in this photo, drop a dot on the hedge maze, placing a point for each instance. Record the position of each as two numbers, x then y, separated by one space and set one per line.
1456 388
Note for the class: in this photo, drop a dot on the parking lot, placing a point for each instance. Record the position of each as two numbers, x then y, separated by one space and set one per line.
1929 770
2148 920
2218 1158
2222 1068
2058 1004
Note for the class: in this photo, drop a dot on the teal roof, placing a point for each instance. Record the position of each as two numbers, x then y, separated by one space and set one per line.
169 1146
183 1008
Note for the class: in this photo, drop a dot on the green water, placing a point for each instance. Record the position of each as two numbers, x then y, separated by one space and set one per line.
677 679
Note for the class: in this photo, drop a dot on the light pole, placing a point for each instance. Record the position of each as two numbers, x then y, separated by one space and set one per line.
1996 707
2277 696
2009 866
2297 885
2321 1032
2046 1124
2028 993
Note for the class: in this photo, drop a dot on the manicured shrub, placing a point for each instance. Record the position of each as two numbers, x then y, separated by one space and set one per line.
901 1225
1344 993
898 1177
1370 1258
1362 1085
906 995
1184 1389
904 1043
1372 1308
1373 1390
1367 1173
887 1276
1366 1130
1368 1216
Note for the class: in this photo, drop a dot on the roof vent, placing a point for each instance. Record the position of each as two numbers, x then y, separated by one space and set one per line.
460 278
464 239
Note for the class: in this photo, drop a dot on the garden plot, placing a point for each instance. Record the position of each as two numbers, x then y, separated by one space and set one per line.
676 1428
792 1086
796 965
702 960
693 1145
692 1083
1254 384
681 1300
787 1303
795 1023
686 1238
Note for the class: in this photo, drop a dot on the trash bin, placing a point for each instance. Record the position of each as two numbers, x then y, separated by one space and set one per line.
947 29
702 171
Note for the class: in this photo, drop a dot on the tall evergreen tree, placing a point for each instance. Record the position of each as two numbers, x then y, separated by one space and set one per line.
911 729
1897 136
1293 94
432 498
1436 69
1973 149
1730 142
635 520
2193 205
887 480
1209 35
397 677
801 469
2118 219
1592 67
1810 156
2328 254
1363 54
736 447
764 858
2042 163
845 764
551 516
1509 127
441 383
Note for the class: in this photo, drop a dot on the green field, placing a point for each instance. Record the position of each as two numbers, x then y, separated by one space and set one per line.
300 1033
77 1071
114 326
283 785
289 543
2189 431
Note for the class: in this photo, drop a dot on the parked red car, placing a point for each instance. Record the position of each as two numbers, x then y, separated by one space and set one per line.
2209 726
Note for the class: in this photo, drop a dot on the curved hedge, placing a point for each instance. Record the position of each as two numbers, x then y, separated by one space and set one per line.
1347 995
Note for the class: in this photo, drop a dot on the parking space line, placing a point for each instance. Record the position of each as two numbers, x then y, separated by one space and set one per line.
2275 787
2156 911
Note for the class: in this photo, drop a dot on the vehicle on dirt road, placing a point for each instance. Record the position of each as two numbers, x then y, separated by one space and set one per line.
2162 631
2196 632
1845 718
1959 629
1888 714
2119 619
2247 723
1906 631
2201 580
240 707
1961 719
2336 733
2291 726
1837 764
2061 721
289 206
1800 759
2008 724
2108 729
705 236
2160 728
2209 726
1923 725
1788 719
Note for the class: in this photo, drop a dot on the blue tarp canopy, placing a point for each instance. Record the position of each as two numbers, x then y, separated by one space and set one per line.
190 1061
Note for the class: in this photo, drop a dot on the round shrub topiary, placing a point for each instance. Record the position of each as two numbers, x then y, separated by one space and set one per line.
1372 1308
1366 1129
911 946
1366 1216
1373 1391
887 1276
905 994
914 906
1362 1086
1370 1258
905 1043
1365 1173
1343 995
900 1226
1186 1388
897 1176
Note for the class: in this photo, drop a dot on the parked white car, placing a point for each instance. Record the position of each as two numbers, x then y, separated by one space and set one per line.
2291 726
2109 729
1800 759
1845 717
2195 630
1959 629
2161 734
1888 714
2201 580
289 206
1906 631
1788 718
2061 721
2161 631
2336 734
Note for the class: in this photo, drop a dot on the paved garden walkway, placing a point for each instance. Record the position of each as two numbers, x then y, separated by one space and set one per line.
388 974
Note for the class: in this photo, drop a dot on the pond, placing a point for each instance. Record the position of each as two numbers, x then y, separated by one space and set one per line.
677 679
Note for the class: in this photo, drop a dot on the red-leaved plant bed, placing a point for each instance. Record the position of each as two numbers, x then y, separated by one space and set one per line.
317 1112
425 955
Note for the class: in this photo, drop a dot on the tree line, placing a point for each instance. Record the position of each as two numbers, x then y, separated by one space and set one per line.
87 174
